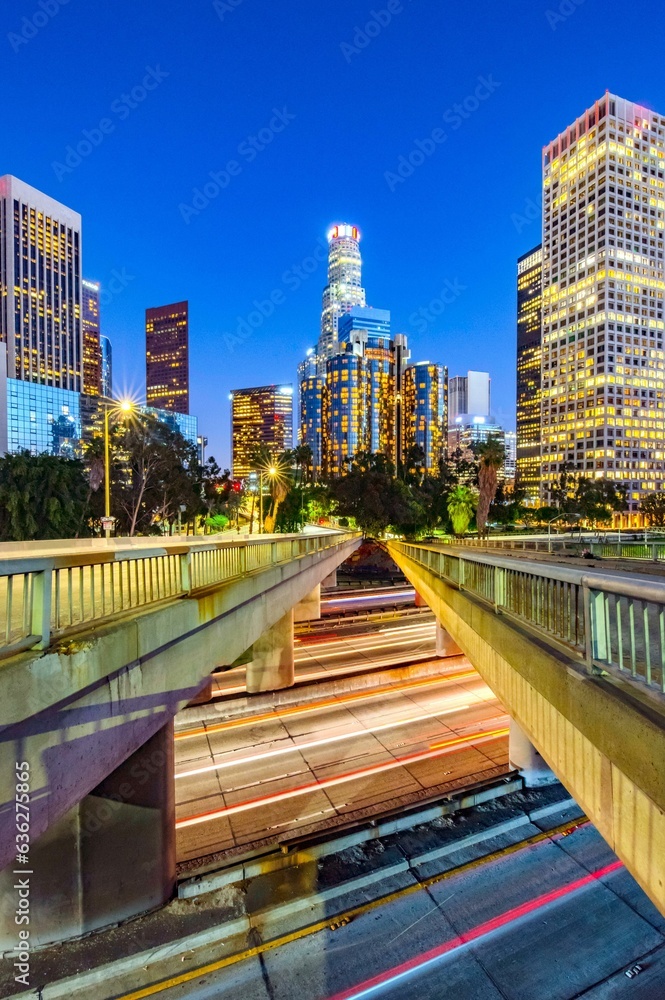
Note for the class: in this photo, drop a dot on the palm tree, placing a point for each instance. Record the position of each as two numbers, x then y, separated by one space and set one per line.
491 456
461 505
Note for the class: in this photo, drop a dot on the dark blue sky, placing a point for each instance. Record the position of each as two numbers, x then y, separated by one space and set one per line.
347 113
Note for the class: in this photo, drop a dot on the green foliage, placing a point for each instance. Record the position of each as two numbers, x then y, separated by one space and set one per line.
42 497
653 507
461 505
491 456
374 498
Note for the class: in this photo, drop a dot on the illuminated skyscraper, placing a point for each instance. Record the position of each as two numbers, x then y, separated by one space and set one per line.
345 411
259 416
529 318
107 366
344 289
167 357
425 412
92 353
603 282
40 286
366 331
468 394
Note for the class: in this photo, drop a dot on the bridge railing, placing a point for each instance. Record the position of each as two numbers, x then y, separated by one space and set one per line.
42 598
615 621
651 551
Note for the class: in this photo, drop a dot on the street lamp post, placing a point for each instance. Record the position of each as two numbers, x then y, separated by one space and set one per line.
124 406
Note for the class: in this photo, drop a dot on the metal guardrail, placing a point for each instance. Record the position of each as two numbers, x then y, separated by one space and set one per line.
46 597
615 621
650 550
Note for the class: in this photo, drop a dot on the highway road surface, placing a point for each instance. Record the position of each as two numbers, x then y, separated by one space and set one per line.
557 920
256 780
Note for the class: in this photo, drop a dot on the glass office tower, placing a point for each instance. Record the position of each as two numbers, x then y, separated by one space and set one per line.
92 352
344 289
167 356
529 318
425 412
262 415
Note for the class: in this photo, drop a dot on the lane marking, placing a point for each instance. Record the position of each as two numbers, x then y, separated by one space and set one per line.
350 914
325 703
443 748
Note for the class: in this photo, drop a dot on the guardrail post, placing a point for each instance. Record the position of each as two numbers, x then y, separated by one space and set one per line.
40 625
461 580
499 588
654 552
186 571
597 638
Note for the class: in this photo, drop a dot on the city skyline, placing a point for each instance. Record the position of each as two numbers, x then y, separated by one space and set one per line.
442 239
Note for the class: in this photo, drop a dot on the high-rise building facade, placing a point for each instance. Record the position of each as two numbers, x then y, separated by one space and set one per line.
529 319
167 357
603 281
345 411
344 289
311 420
40 286
425 412
92 353
469 395
366 332
106 366
262 415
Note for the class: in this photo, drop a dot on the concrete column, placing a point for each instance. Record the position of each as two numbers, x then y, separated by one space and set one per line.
109 858
419 601
524 757
330 580
445 644
310 606
272 665
204 695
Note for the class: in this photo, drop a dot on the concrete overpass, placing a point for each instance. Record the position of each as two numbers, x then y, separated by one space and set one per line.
578 659
100 646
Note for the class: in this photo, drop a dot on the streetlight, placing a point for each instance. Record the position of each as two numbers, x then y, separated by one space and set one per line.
118 406
271 472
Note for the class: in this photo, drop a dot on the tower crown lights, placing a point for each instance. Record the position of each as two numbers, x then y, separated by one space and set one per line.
343 231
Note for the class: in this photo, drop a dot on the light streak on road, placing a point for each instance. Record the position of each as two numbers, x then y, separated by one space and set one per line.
325 741
332 638
420 962
328 703
449 747
388 597
379 644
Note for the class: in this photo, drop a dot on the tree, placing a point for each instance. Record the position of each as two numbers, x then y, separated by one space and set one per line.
596 499
461 505
653 508
42 497
375 499
491 456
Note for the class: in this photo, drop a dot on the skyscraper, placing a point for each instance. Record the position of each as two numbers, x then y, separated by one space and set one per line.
425 412
92 354
603 278
345 411
344 289
366 331
469 394
529 318
40 286
167 357
259 416
107 367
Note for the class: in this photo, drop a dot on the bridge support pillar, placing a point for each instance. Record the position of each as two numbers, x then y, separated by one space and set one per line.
445 644
525 758
310 606
272 665
330 580
419 601
109 858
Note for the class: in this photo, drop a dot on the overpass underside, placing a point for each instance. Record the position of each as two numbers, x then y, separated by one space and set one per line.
601 734
92 717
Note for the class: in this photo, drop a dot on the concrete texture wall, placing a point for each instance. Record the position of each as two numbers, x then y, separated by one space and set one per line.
603 738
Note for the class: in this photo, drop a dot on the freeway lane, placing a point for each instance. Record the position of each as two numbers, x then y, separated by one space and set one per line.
251 781
556 920
340 647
